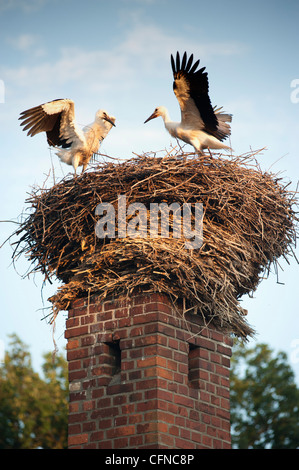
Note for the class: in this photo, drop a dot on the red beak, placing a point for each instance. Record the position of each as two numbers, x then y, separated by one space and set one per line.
152 116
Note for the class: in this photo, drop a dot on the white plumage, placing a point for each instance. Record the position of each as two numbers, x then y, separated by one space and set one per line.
75 146
201 125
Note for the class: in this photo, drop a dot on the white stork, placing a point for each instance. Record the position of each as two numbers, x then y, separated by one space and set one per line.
201 125
76 146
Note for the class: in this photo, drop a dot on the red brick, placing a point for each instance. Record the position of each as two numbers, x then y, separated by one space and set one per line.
78 439
135 441
147 427
109 305
88 362
87 340
78 303
184 444
73 344
206 343
86 319
137 310
77 417
121 443
89 426
173 343
150 438
73 408
222 371
72 322
149 404
125 431
145 318
77 374
75 332
216 421
217 336
105 424
79 353
120 421
123 322
224 436
224 350
147 361
97 436
135 375
74 429
174 430
135 418
225 404
121 312
207 441
196 437
77 396
88 405
89 384
104 444
95 308
225 361
166 374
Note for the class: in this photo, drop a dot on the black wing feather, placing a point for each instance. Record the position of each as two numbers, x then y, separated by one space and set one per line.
172 64
184 61
53 136
198 88
178 61
36 120
194 67
189 63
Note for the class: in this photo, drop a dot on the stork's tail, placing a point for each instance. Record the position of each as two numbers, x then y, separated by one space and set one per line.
223 117
223 120
65 156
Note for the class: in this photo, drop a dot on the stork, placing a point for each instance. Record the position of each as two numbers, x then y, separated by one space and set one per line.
75 146
201 125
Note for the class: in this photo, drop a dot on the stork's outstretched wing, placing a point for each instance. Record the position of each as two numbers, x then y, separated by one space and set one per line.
191 88
57 119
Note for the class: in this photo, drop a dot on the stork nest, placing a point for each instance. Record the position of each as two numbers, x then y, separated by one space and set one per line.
249 222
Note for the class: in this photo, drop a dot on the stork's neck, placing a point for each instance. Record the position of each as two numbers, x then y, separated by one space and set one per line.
165 116
170 125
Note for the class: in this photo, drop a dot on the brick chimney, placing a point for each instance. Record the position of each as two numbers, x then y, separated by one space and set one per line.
144 376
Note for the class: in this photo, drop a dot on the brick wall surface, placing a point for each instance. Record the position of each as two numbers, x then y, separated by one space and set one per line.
143 376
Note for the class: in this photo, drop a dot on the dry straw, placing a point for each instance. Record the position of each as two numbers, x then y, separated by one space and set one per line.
249 222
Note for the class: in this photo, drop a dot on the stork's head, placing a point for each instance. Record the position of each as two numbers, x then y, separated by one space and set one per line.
103 115
160 111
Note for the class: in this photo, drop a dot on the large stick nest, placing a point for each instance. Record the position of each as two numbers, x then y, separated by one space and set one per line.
249 222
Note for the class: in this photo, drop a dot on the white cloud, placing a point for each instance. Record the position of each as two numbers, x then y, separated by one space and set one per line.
150 43
23 42
142 55
28 44
72 64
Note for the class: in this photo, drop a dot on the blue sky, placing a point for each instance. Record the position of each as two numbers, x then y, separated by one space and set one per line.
116 55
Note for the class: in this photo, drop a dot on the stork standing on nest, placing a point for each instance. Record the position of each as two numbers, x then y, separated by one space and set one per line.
76 146
201 125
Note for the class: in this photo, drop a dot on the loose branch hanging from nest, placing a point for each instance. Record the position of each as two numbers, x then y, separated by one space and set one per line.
249 222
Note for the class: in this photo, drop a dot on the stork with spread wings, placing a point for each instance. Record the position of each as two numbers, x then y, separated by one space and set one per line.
201 125
57 118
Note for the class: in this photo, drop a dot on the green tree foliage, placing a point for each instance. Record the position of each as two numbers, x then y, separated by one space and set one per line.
264 400
33 410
